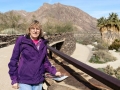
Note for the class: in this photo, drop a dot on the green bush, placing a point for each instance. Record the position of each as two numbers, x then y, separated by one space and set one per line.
115 45
95 59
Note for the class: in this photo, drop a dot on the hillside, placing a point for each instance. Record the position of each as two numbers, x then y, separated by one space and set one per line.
61 13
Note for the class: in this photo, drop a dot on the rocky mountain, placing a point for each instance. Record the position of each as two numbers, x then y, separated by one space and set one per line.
63 13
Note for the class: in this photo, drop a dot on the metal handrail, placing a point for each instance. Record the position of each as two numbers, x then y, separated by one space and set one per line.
100 76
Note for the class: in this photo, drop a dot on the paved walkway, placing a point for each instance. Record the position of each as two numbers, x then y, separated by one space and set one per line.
5 54
82 53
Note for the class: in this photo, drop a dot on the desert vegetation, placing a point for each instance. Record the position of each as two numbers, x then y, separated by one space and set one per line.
108 39
102 56
111 71
12 23
111 23
109 30
59 27
115 45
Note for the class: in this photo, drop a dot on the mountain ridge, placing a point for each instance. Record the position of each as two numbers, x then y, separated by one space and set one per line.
63 13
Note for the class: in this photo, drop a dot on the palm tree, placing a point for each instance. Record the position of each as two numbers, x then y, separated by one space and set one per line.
110 27
113 21
102 23
114 25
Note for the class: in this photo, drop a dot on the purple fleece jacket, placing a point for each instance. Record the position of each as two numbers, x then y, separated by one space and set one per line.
28 64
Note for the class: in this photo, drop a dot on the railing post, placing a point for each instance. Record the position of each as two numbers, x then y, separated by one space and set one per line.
50 54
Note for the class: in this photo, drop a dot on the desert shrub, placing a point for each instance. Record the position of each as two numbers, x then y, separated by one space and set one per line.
101 56
111 71
115 45
52 28
117 73
101 46
87 39
95 59
108 70
10 31
65 27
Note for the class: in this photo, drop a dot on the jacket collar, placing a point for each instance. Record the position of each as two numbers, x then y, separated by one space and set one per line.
27 40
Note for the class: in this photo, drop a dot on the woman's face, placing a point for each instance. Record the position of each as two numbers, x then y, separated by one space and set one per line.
34 32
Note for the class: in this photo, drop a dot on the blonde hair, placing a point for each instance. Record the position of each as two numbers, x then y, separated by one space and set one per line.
35 23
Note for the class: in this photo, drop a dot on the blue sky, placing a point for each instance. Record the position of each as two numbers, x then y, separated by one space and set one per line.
95 8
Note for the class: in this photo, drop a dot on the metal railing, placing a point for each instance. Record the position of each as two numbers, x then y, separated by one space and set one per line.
100 76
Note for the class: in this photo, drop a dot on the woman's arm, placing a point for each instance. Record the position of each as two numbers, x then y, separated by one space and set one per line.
13 64
49 68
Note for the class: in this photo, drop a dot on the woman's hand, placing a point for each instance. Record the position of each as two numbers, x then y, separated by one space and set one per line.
58 74
15 86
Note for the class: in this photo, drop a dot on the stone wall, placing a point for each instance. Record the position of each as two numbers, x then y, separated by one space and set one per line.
6 40
64 42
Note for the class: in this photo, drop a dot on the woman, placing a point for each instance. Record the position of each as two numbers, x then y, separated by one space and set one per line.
29 62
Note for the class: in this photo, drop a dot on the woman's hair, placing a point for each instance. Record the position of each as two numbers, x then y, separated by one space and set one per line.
35 23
